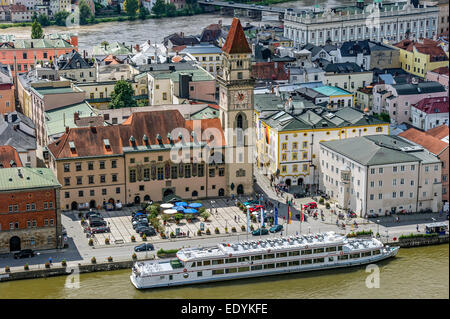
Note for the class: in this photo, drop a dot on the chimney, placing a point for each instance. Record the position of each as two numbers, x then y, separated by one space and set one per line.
19 172
67 129
32 44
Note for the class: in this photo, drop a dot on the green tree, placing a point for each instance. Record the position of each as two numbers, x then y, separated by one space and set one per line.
159 8
43 20
104 44
122 96
131 8
36 30
60 18
143 13
85 12
171 10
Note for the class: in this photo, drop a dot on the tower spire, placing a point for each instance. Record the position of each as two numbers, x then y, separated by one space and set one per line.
236 41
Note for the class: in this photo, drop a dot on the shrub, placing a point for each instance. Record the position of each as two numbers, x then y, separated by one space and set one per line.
134 256
243 228
252 228
91 242
205 215
208 232
233 229
82 220
226 229
144 237
163 253
163 235
26 267
199 232
133 238
7 269
110 259
172 235
64 263
202 210
245 209
217 231
93 260
321 201
178 217
327 205
107 241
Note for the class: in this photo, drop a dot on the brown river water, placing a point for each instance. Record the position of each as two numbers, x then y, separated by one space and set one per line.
414 273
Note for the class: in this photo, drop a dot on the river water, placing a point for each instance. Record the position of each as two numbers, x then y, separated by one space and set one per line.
138 31
414 273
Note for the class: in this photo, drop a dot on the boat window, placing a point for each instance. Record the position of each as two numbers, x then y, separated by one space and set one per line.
230 260
258 257
242 269
206 262
217 261
366 254
259 267
170 277
319 250
319 260
376 252
294 253
161 277
306 261
339 248
307 252
269 256
269 266
343 257
230 270
330 258
243 259
281 255
354 256
281 265
199 273
331 249
217 272
185 275
294 263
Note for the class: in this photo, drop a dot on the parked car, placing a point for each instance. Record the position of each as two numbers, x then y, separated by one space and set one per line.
255 208
109 206
97 223
147 231
142 211
92 212
251 202
257 232
24 253
140 217
140 228
100 229
95 216
299 195
140 222
144 247
276 228
311 205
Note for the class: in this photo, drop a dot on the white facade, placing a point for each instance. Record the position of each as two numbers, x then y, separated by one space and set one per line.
394 21
426 121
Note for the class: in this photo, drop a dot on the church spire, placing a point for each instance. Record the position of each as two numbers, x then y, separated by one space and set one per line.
236 41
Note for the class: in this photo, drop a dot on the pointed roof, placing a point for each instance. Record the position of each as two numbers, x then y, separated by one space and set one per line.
236 41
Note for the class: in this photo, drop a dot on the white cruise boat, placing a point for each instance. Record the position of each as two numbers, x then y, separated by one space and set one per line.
254 258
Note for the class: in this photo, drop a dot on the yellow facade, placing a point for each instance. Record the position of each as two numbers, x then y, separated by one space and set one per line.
418 63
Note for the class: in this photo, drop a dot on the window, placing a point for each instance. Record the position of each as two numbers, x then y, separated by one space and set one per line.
102 178
284 146
132 175
102 164
78 167
66 181
66 167
90 166
80 193
114 164
79 180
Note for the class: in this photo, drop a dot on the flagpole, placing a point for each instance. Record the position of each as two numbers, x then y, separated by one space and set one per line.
301 216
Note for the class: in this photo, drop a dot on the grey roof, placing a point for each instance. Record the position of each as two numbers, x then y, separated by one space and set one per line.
347 67
421 88
21 141
166 66
380 150
20 118
73 60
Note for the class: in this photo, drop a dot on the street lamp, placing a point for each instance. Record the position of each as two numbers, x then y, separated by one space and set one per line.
378 226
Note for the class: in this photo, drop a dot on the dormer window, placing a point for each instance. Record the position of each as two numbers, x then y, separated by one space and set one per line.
107 145
145 140
72 147
132 141
169 137
159 138
12 163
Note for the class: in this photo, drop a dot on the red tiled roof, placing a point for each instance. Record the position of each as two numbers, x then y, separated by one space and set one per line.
269 71
89 141
8 154
427 46
439 132
236 41
442 70
431 143
433 105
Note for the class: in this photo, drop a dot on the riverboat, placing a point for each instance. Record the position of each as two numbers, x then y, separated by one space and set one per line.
255 258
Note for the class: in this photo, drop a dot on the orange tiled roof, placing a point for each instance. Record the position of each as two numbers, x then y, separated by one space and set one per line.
439 131
442 70
431 143
427 46
89 141
8 154
236 41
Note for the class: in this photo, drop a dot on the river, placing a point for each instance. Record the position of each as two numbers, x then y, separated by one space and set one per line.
138 31
414 273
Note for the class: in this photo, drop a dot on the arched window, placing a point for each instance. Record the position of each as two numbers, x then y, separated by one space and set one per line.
239 121
194 194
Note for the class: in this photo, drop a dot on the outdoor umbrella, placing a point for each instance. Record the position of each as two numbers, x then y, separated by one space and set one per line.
137 214
189 211
181 204
179 208
167 205
170 211
195 205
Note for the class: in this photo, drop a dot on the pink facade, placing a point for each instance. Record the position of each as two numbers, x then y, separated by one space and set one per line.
436 77
202 90
7 100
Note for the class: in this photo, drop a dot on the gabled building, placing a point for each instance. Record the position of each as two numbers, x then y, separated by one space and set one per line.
73 66
7 98
430 112
9 157
348 76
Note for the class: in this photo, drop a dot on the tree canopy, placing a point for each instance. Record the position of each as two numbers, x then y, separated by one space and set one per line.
36 30
131 7
60 18
85 12
122 96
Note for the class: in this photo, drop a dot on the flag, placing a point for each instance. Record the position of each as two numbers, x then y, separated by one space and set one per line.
289 214
301 213
262 217
276 216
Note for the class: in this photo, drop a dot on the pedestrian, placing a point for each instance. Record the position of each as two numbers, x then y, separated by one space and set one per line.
239 219
188 233
235 218
417 227
50 260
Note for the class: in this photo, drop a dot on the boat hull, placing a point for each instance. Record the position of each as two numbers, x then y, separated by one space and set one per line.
140 284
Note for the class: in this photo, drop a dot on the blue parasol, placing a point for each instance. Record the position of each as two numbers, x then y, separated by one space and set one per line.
189 211
179 208
195 205
181 204
138 214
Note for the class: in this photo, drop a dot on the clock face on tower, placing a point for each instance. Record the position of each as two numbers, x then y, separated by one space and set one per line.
240 98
